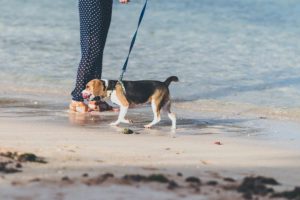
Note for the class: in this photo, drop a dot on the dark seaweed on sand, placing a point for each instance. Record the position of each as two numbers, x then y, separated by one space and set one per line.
25 157
172 185
65 178
135 177
158 178
193 180
228 179
9 154
29 157
294 194
256 186
212 183
151 178
8 170
99 179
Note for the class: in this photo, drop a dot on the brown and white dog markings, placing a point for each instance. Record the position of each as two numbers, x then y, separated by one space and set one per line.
136 92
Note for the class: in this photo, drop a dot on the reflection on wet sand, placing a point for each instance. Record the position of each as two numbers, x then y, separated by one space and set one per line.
85 119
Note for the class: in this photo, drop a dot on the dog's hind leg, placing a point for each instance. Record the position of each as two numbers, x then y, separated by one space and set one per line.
156 111
171 115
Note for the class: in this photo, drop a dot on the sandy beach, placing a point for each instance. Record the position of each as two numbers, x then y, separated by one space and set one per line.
211 146
237 102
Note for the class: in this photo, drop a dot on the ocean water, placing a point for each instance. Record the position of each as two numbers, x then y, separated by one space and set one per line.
228 50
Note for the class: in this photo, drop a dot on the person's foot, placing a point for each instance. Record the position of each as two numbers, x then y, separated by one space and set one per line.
78 106
100 106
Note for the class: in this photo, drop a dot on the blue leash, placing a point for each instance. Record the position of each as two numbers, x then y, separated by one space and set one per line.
131 46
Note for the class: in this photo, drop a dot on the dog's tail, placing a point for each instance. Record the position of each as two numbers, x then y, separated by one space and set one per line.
171 79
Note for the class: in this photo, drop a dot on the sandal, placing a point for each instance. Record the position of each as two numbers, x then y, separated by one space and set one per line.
78 106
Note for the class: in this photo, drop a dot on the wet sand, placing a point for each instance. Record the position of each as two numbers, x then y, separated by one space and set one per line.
207 145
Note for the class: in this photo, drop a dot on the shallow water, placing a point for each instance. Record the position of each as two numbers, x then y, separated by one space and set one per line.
243 51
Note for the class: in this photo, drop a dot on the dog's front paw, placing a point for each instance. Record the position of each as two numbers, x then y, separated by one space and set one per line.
114 123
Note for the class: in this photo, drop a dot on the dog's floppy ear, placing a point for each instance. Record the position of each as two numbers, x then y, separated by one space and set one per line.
99 88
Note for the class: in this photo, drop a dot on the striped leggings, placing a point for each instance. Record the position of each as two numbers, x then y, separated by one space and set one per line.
95 17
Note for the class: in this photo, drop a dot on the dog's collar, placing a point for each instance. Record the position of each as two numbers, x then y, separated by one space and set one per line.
98 98
106 82
109 84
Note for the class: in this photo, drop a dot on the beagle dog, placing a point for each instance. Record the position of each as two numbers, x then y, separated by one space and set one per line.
134 92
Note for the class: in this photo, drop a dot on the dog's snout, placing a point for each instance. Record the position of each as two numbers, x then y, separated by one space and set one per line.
86 94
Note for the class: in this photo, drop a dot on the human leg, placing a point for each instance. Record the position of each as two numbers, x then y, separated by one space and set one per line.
95 17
